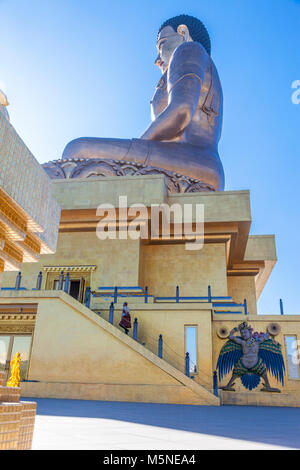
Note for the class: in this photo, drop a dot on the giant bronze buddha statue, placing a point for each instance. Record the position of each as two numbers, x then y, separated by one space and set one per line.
182 140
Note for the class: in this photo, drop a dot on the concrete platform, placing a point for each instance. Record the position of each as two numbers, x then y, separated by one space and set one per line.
79 424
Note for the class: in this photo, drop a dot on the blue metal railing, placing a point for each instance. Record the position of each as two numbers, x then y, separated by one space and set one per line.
111 313
187 364
160 346
116 292
207 298
209 294
13 288
67 282
228 312
281 307
39 281
215 383
18 281
191 298
135 329
87 297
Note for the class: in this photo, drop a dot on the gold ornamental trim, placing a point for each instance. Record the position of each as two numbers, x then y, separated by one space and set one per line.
13 251
13 329
32 243
71 269
11 214
17 317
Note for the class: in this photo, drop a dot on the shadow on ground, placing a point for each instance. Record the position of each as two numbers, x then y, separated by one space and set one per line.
269 425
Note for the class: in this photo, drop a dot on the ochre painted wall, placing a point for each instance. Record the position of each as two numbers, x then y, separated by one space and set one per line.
68 347
130 263
117 261
168 266
170 321
243 287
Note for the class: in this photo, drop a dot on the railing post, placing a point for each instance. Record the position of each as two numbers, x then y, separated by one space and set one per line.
160 345
67 282
111 313
87 297
281 307
209 294
18 281
187 364
177 294
216 384
116 295
135 328
39 281
245 307
61 281
146 294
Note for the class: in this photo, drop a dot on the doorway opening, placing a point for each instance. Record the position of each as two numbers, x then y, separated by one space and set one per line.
76 288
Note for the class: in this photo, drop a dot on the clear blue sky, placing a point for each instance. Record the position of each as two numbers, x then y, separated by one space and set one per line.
73 68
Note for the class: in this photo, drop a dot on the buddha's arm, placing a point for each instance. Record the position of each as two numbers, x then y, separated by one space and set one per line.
179 112
185 77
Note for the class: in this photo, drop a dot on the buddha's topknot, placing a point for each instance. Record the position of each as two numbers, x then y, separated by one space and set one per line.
197 30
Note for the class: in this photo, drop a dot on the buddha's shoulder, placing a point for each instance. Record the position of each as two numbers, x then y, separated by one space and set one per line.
190 50
189 58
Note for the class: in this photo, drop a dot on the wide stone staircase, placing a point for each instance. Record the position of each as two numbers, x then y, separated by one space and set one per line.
143 349
178 387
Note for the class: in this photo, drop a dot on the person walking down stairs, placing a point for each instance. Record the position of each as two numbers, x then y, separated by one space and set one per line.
125 322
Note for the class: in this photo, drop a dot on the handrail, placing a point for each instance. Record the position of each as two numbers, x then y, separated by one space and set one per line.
13 288
232 312
120 291
191 298
124 288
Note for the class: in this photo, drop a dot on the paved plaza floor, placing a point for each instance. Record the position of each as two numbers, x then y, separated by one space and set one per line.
80 424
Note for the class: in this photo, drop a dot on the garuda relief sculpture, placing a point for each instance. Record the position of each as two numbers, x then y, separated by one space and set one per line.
187 109
251 355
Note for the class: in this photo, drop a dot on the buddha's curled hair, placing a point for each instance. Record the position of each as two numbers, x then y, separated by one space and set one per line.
198 31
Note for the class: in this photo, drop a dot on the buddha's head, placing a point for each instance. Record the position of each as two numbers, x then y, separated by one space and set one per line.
175 31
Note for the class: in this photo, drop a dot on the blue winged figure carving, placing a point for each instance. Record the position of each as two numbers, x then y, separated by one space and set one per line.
251 356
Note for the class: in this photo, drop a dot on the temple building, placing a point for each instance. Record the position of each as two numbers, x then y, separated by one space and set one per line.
182 300
29 214
196 336
29 220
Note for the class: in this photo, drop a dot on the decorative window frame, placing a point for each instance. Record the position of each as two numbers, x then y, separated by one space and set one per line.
287 361
193 325
75 272
71 268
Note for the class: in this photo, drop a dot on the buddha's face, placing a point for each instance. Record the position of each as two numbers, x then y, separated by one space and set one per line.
168 40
